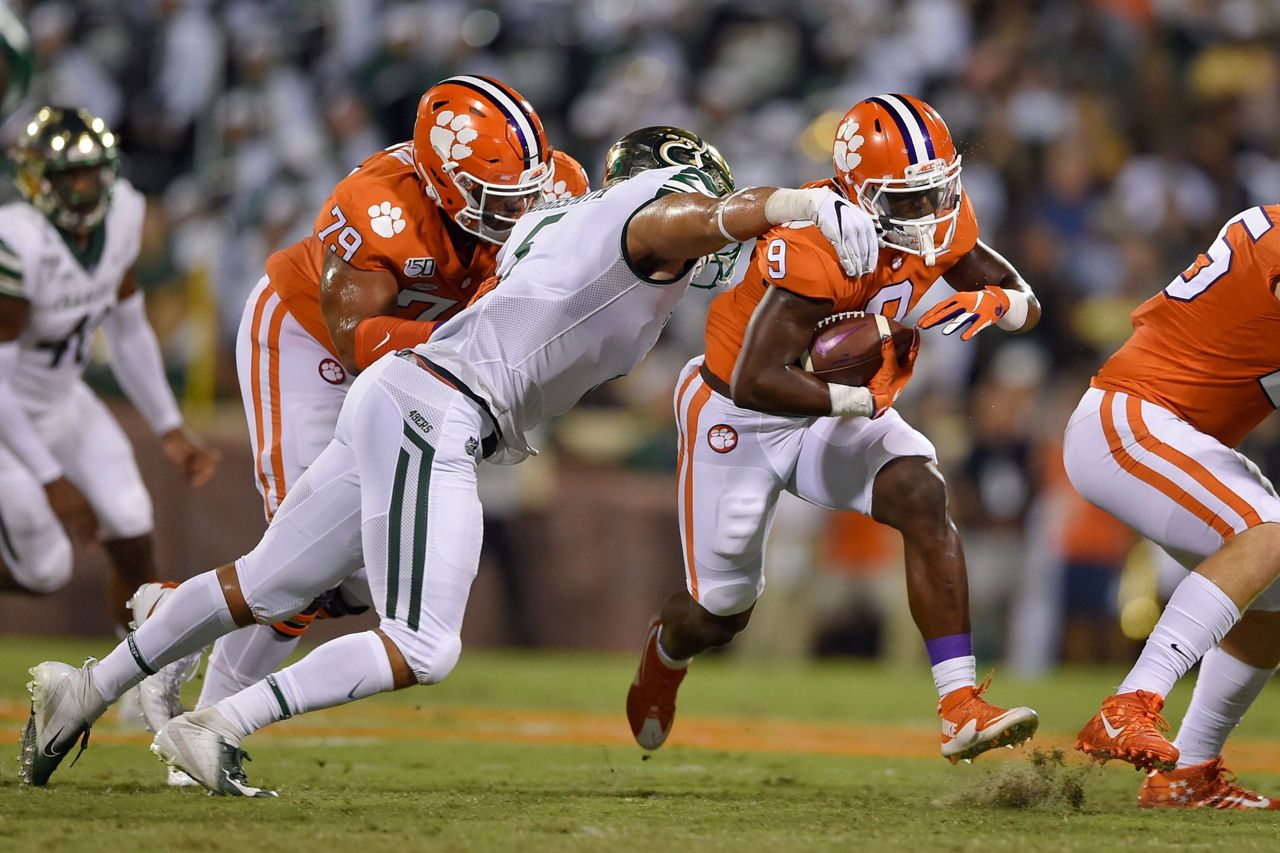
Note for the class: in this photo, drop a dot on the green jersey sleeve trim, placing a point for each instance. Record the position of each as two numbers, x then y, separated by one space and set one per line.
11 273
687 180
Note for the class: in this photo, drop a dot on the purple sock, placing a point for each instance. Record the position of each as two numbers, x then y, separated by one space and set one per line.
947 648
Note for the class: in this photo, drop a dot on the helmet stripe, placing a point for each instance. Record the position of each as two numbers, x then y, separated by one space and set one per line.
911 128
928 137
517 116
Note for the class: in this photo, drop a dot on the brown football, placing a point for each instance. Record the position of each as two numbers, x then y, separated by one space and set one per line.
847 350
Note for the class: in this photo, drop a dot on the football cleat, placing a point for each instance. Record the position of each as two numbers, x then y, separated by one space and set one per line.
160 695
651 701
64 706
1129 727
1207 785
202 745
971 725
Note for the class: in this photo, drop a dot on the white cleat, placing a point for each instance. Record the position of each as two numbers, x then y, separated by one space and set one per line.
160 695
64 706
178 779
202 745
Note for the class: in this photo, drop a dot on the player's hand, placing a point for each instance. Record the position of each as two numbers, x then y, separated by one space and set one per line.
196 460
971 311
852 231
73 511
891 378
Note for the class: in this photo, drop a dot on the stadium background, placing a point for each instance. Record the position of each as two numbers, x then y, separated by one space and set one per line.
1104 144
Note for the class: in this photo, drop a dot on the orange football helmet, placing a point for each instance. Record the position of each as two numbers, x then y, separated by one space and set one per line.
481 153
568 178
894 156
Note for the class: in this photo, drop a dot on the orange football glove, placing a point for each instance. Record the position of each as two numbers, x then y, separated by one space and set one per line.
971 311
890 379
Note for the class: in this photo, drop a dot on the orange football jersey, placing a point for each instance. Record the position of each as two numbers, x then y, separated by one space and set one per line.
379 218
804 262
1207 347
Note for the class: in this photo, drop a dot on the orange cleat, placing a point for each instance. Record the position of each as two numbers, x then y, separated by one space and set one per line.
971 725
1129 727
1200 786
651 701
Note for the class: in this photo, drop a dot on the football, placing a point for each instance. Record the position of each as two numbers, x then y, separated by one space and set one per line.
846 347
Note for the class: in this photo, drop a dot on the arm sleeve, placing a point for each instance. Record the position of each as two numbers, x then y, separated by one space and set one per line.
16 429
377 336
136 363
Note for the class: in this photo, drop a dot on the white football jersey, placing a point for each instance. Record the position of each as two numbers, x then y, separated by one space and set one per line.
68 301
570 313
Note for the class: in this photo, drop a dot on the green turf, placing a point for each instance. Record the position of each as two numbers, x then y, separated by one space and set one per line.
386 792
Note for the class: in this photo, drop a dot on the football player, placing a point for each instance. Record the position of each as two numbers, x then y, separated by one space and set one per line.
66 469
752 422
402 244
587 285
1152 443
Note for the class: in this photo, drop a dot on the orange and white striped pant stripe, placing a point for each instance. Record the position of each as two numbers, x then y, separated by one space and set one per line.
1180 488
292 389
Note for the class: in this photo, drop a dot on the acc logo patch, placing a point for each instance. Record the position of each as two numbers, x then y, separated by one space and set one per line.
331 371
722 438
419 267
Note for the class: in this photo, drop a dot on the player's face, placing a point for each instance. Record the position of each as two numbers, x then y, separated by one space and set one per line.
80 190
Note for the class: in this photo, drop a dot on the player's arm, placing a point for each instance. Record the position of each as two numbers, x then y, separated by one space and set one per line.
139 367
16 429
989 292
356 304
664 235
768 377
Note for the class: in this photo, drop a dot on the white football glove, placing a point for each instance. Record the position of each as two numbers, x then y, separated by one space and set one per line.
846 225
851 231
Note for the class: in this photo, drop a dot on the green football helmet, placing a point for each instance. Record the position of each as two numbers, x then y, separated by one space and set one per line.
67 162
15 61
661 146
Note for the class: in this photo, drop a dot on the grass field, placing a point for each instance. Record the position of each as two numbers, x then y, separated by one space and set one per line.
529 751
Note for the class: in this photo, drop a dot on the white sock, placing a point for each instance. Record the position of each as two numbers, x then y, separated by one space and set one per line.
955 673
668 660
337 672
194 615
242 658
1225 688
1196 619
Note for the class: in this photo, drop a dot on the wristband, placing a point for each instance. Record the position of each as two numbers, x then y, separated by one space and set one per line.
851 400
793 205
1016 317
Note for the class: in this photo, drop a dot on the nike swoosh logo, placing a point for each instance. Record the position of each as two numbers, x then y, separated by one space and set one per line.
52 741
351 694
1112 731
383 342
1174 646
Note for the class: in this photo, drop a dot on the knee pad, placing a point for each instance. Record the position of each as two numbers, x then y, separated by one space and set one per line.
431 657
739 530
44 560
129 514
729 599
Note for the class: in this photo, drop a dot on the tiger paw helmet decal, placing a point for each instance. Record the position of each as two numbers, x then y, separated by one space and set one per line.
848 141
451 136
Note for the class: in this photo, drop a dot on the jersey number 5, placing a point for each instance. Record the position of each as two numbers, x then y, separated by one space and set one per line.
348 238
1213 264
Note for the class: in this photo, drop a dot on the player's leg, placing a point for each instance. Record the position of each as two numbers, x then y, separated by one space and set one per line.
421 530
292 390
35 552
727 486
106 471
886 469
311 545
1188 492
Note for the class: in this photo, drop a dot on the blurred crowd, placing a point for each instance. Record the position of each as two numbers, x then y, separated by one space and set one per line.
1105 142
